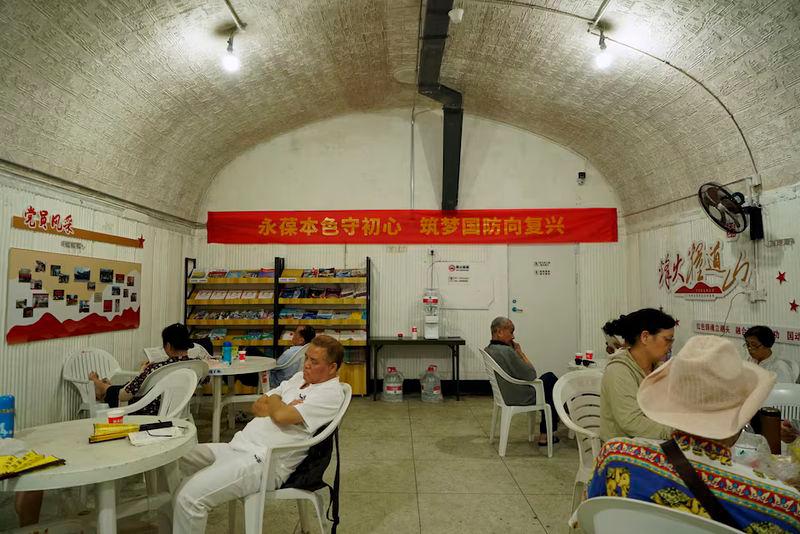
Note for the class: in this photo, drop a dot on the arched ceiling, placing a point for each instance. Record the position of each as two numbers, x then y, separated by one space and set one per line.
128 98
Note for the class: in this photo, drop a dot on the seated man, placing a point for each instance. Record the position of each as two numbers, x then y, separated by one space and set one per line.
176 343
290 413
707 394
759 341
509 356
301 336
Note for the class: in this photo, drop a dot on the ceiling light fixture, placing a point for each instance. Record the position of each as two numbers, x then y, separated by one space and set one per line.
229 61
604 58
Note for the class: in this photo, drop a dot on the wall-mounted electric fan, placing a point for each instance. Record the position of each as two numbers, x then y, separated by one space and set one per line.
729 211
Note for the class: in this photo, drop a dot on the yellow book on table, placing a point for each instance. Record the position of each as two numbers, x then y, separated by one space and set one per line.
11 466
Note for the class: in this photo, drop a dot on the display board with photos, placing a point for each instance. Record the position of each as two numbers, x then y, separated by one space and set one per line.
54 295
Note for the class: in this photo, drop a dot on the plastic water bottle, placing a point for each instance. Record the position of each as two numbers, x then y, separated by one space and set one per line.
6 416
392 385
227 350
431 385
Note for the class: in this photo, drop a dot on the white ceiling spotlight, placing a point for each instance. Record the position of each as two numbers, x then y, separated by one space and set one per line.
456 14
604 59
229 61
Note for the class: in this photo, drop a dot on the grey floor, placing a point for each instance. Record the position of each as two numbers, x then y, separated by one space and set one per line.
414 467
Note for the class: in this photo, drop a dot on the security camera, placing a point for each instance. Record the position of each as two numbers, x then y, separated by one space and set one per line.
581 178
456 15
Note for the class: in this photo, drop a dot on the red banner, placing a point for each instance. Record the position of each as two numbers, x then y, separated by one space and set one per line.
367 227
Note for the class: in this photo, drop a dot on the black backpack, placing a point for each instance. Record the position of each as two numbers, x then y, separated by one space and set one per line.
308 475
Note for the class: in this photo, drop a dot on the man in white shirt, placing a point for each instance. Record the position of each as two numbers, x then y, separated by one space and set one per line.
292 412
759 340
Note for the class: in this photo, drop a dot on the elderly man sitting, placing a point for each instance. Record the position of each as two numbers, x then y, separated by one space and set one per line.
290 413
509 356
707 394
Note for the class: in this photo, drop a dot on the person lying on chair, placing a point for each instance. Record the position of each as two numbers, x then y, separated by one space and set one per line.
176 343
215 473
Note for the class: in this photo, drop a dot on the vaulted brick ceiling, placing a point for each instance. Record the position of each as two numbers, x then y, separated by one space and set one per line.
128 97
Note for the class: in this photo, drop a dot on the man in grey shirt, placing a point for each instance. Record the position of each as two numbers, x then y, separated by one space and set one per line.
509 356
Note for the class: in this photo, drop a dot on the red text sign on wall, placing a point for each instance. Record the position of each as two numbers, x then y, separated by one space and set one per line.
702 274
588 225
47 221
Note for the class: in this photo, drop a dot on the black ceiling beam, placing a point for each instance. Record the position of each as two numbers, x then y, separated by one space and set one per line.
434 38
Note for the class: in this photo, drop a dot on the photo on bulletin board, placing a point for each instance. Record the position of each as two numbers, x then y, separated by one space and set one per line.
74 297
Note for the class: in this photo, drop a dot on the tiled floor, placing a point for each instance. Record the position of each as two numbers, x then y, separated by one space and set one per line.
414 467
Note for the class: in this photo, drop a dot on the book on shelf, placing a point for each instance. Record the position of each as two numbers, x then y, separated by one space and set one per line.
250 274
358 273
309 314
249 294
198 334
325 314
309 273
316 292
198 276
218 294
217 273
203 294
266 294
233 295
265 272
360 292
343 273
333 293
347 293
327 273
235 274
217 334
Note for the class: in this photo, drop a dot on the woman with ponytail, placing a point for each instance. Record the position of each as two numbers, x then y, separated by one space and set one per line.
648 336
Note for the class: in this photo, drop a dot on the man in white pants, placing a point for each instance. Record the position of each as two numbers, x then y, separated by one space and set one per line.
292 412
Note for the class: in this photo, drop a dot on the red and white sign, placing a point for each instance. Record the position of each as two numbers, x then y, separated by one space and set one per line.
783 334
703 274
47 221
567 225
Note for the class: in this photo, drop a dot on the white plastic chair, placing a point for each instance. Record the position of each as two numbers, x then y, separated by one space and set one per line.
785 397
580 391
175 389
507 412
795 368
617 515
77 367
254 503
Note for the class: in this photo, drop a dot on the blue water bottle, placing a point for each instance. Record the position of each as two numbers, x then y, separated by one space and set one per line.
227 350
6 416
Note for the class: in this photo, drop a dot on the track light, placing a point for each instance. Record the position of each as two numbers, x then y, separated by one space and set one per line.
604 58
229 61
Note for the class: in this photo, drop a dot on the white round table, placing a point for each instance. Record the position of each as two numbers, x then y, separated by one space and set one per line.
216 370
96 463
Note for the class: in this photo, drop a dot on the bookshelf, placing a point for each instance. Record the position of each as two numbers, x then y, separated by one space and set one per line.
256 308
335 302
231 305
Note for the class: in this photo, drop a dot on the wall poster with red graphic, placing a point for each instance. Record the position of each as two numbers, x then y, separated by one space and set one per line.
58 295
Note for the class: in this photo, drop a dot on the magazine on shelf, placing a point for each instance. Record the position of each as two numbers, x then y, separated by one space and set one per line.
316 292
325 314
327 273
347 293
218 294
249 294
266 273
330 332
358 273
250 274
217 334
233 295
199 334
343 273
203 294
235 274
198 276
217 273
265 294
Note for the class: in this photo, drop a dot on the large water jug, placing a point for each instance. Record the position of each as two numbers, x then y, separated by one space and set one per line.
392 385
431 385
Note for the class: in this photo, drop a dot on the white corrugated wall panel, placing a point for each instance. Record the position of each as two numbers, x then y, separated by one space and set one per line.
780 221
32 371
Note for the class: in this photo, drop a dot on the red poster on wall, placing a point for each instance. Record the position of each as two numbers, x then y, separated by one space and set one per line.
514 226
